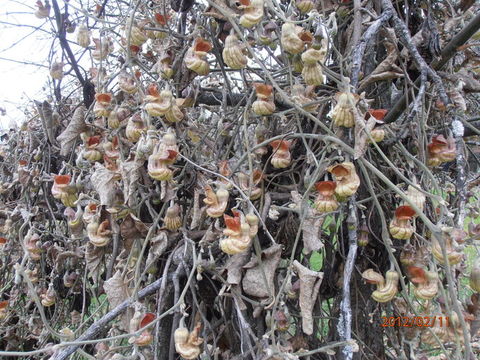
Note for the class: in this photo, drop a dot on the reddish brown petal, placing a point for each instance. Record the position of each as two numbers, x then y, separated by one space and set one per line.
3 304
202 45
306 36
404 212
147 319
93 140
62 179
378 114
3 240
22 162
233 223
152 90
103 97
161 19
263 89
326 188
340 170
283 145
417 274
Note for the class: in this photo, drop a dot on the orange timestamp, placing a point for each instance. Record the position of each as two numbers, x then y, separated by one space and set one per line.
415 321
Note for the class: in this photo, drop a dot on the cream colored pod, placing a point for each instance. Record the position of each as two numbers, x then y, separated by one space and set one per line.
234 53
312 69
195 58
83 36
346 178
252 12
386 288
401 227
343 113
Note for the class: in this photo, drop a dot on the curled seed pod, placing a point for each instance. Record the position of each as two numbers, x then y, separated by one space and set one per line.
234 52
196 55
346 178
454 256
303 96
342 113
83 36
325 200
386 288
137 36
441 150
92 149
127 83
187 344
99 234
237 234
135 127
312 70
43 11
64 191
426 282
49 297
294 38
252 12
103 104
216 201
103 47
172 220
56 70
416 197
400 227
281 157
305 6
264 105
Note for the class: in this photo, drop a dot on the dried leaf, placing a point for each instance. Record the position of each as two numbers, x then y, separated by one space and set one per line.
254 279
117 292
74 128
362 130
234 267
458 99
311 227
103 181
131 175
309 285
93 258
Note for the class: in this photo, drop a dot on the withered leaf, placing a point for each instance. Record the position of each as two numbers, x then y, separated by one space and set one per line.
103 181
93 258
253 282
309 285
73 130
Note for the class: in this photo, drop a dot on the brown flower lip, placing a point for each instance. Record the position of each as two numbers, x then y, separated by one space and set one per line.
282 145
326 188
103 97
404 212
263 89
233 222
340 170
62 179
202 45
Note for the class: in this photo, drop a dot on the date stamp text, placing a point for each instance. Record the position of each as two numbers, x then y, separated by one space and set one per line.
415 321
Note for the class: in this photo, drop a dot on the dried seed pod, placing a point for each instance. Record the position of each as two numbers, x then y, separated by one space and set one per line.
294 38
234 52
400 227
75 223
302 96
346 178
127 83
137 36
69 279
416 197
90 213
31 242
216 202
135 127
83 36
99 234
281 157
305 6
475 277
164 154
103 47
196 55
264 105
56 70
92 146
342 113
441 150
312 70
164 65
252 12
252 221
43 11
251 187
174 114
454 256
146 337
102 105
187 344
325 200
157 104
237 234
386 288
172 220
426 282
49 297
377 134
63 191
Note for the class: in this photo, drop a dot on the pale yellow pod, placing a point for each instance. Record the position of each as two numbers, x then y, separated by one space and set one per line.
233 53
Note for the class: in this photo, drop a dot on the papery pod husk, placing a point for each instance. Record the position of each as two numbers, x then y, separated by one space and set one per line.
347 183
377 134
474 278
83 36
233 54
187 344
216 201
453 256
263 108
253 12
401 231
137 36
312 75
342 113
387 292
290 38
429 289
416 197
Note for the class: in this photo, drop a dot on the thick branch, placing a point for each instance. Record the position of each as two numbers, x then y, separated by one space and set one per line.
447 53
